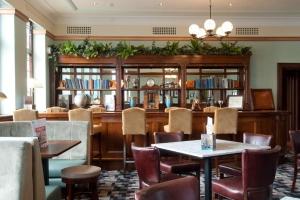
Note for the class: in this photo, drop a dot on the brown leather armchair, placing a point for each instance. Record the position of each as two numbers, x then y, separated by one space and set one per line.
258 173
295 140
179 189
146 161
234 168
170 163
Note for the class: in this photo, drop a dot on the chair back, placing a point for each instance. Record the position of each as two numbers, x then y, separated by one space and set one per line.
180 119
146 161
25 115
210 109
56 109
97 109
81 114
134 121
178 189
258 139
24 179
225 121
259 168
171 108
163 137
295 140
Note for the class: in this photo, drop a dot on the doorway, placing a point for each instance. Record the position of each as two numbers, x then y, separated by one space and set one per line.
288 92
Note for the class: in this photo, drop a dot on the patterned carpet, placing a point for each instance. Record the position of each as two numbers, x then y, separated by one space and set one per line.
119 185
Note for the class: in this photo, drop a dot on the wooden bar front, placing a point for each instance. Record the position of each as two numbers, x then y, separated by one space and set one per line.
273 123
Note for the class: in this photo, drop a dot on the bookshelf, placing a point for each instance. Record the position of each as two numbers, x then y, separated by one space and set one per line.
74 76
149 81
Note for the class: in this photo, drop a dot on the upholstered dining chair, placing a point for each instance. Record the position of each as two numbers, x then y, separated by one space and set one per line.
180 119
210 109
234 168
170 163
81 114
56 109
171 108
133 123
225 121
295 140
258 174
178 189
147 164
25 115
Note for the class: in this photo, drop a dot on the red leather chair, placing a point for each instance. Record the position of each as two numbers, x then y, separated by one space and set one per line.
295 140
234 168
258 173
170 163
147 166
179 189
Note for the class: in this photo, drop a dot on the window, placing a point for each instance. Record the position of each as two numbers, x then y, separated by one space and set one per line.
29 56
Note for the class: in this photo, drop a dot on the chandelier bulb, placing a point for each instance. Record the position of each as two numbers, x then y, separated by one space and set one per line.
209 25
227 27
193 29
220 32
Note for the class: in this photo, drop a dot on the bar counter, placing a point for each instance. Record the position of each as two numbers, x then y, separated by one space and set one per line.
273 123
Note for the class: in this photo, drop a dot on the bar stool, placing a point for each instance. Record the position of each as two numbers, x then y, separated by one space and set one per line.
133 123
210 109
83 174
25 115
180 119
56 109
81 114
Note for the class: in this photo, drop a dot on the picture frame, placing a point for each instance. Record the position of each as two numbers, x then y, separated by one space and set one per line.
64 101
262 99
235 101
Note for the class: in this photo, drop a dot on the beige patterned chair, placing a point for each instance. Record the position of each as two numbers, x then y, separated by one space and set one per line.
56 109
97 109
171 108
180 119
81 114
133 123
25 180
25 115
210 109
225 121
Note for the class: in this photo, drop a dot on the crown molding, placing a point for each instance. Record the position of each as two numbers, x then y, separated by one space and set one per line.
13 11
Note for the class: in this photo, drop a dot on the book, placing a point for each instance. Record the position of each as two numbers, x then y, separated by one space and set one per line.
39 131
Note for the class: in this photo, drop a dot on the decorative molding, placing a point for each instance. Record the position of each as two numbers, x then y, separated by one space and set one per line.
174 38
17 13
50 35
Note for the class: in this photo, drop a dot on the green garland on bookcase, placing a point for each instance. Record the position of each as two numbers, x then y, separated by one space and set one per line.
88 49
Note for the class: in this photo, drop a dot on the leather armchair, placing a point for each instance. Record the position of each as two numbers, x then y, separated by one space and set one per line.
234 168
178 189
258 174
172 163
146 161
295 140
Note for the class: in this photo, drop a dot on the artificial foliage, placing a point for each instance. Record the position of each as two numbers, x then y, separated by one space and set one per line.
123 49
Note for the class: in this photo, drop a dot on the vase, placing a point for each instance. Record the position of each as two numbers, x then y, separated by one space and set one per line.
168 101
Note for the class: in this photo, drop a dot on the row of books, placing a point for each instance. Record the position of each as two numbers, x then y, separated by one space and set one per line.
87 84
212 82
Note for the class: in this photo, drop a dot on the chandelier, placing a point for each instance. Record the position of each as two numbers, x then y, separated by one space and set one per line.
209 26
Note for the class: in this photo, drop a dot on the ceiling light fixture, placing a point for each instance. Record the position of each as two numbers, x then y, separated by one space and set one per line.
209 26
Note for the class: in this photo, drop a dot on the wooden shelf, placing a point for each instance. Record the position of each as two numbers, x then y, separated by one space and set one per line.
217 89
86 89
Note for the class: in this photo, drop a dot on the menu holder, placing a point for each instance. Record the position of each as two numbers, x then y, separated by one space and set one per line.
39 131
208 142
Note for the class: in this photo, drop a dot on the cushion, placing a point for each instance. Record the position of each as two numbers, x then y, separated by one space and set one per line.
53 192
56 165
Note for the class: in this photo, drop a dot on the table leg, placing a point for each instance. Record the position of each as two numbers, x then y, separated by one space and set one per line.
207 170
45 162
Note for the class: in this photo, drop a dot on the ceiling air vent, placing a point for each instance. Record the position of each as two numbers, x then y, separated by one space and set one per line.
81 30
247 31
164 30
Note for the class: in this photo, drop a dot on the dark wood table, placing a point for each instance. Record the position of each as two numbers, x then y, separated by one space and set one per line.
55 148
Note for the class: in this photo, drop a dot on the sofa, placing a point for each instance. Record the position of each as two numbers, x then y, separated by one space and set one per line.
21 173
56 130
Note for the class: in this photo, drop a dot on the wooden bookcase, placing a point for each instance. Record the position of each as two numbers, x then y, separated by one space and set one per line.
220 76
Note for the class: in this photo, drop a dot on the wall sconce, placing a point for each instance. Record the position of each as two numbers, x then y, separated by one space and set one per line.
2 96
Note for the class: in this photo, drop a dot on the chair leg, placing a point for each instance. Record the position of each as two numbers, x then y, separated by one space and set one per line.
70 195
295 174
93 187
124 152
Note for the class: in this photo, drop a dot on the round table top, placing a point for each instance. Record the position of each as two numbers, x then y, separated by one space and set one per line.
81 172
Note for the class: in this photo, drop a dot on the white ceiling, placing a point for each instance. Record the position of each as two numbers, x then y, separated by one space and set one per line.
270 8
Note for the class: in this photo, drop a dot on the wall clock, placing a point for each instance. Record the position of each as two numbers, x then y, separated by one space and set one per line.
150 82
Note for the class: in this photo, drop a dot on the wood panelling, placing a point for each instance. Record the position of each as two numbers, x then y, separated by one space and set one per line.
265 122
